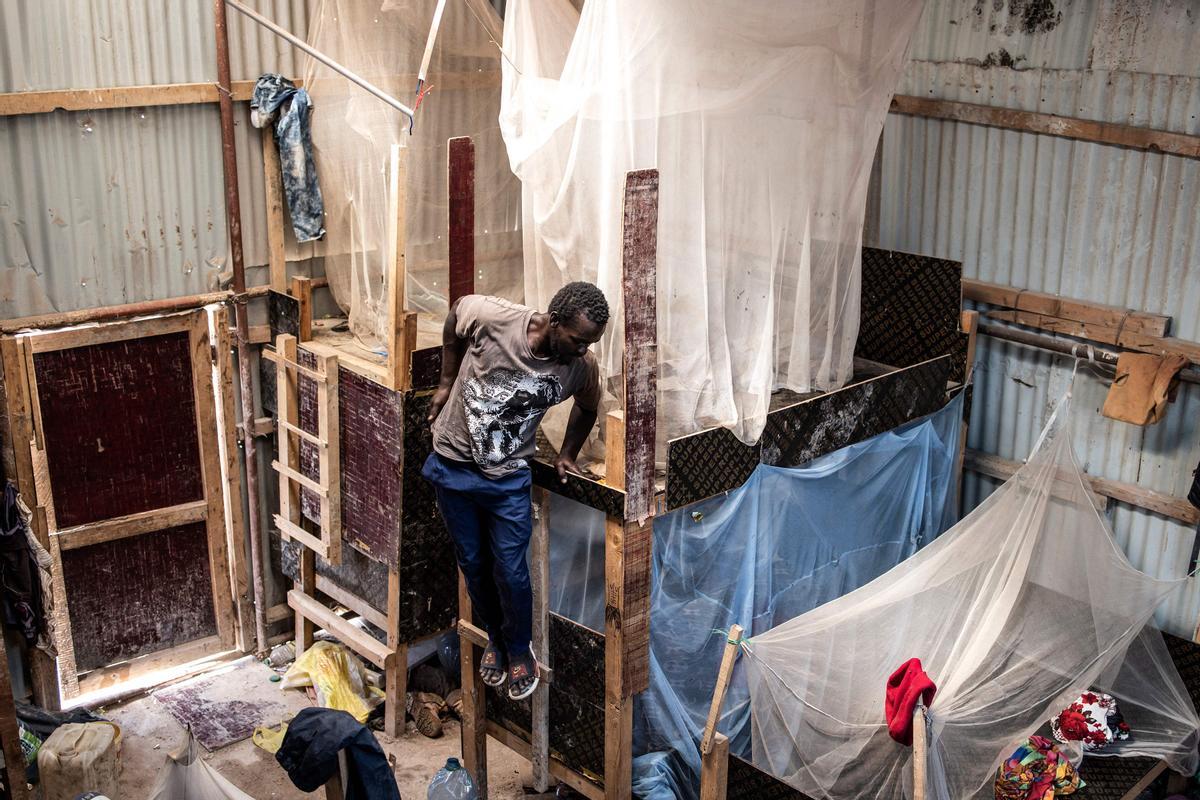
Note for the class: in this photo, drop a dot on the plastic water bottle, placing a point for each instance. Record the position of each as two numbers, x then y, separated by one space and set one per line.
452 782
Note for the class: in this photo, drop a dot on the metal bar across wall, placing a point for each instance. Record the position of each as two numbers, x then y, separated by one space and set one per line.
319 56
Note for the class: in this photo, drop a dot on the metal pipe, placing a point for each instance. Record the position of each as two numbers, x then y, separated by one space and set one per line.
1106 357
233 216
106 313
344 71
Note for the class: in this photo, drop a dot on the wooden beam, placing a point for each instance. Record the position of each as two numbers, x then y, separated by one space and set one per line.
1151 139
460 180
273 183
733 642
207 433
350 635
1098 333
170 94
1176 508
1054 305
281 359
108 530
558 769
351 601
112 332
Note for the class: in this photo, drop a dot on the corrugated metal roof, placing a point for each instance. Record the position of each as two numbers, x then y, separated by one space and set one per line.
1109 224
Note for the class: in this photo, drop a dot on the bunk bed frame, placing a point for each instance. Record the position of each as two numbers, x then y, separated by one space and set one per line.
396 568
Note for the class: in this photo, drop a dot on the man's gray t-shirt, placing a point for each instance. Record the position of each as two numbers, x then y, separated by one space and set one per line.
503 389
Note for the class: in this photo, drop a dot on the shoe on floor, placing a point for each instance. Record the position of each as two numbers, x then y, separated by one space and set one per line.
426 711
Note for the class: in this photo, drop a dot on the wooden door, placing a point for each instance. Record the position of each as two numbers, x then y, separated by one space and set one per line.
123 447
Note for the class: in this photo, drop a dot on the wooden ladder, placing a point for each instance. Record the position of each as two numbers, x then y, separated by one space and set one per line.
327 543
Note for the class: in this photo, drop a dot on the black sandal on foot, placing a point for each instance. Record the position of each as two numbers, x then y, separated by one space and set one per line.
523 677
491 667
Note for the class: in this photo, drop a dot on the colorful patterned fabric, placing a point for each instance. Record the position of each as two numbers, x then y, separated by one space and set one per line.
1093 719
1036 770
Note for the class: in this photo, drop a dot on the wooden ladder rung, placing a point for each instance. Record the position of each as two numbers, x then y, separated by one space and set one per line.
309 540
303 480
303 434
478 637
285 363
350 635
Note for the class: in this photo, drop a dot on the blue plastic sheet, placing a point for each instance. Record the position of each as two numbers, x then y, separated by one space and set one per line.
785 542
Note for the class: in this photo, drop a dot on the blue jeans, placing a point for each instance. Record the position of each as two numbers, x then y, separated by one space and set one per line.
491 522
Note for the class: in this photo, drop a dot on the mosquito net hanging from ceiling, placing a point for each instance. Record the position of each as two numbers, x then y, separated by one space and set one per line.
762 118
354 132
1022 605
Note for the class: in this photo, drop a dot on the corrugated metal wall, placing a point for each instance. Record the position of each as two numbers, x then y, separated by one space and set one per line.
116 206
1103 223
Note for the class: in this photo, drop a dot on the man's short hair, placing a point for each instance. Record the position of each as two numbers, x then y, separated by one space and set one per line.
580 297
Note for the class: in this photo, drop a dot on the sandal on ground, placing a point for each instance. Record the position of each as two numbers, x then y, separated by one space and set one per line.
523 677
491 667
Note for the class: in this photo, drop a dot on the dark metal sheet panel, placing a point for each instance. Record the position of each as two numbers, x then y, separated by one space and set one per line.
708 463
910 307
371 448
120 427
138 595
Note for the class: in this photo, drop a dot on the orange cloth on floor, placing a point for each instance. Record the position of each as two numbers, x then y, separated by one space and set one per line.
1143 386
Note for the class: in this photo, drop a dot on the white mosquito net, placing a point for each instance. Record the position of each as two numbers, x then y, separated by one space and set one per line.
353 134
1015 610
762 118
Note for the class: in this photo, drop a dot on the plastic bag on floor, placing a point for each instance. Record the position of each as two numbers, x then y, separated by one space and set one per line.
338 677
270 739
186 777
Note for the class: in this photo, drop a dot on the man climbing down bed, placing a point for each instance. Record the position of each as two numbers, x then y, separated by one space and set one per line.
503 365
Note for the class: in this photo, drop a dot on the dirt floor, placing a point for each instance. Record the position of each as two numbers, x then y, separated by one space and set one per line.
149 732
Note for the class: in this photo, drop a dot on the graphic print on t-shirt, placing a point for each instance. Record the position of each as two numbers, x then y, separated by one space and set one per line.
503 406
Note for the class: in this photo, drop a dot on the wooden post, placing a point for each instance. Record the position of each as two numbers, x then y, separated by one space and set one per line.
17 379
723 675
10 736
970 326
396 677
618 707
714 769
474 698
539 558
204 397
919 752
714 746
330 459
302 291
402 324
474 722
273 188
235 522
629 465
460 183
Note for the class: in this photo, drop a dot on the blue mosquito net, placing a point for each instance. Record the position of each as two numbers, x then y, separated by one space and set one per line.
785 542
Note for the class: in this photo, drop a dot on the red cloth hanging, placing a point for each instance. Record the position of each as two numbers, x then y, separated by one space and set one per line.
906 686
